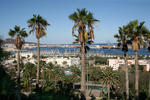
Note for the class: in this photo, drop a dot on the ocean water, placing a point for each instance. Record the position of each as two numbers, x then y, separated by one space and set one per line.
92 50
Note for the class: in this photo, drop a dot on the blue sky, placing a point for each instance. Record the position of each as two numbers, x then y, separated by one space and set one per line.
111 13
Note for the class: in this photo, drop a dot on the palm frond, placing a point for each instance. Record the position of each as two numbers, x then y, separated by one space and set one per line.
17 28
12 33
116 36
43 31
20 34
74 17
31 31
73 28
75 42
38 24
86 36
23 33
84 21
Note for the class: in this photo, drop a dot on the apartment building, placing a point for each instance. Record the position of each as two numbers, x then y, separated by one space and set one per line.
116 63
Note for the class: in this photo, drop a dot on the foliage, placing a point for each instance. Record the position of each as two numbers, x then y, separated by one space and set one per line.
61 90
64 62
52 73
76 74
38 24
29 73
3 54
136 34
110 77
84 22
94 74
7 85
54 83
99 60
143 89
20 35
122 38
75 70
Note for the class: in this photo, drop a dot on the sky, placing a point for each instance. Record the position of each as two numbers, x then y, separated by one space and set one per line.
111 13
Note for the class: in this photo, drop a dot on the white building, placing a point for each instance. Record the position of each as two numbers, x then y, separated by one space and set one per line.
63 61
116 63
29 45
26 55
31 61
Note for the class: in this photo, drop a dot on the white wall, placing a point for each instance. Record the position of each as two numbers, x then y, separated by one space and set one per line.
115 63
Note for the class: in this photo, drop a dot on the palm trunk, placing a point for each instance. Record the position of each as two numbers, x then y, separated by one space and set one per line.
49 75
30 83
127 78
18 75
149 88
108 87
38 64
28 87
83 81
55 79
136 77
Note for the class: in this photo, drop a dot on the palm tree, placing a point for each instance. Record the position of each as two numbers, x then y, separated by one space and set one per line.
135 30
75 70
109 78
38 25
93 74
146 34
149 88
83 20
19 35
58 73
29 73
42 71
122 39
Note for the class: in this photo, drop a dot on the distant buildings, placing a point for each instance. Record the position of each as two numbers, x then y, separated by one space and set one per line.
9 41
116 63
63 61
8 45
68 58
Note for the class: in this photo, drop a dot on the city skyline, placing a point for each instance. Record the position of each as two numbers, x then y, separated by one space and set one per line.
112 14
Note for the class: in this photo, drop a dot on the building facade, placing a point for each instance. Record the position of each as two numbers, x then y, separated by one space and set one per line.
116 63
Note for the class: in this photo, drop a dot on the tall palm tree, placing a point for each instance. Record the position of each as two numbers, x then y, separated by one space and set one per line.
146 34
122 40
84 21
149 87
19 35
109 78
38 25
136 36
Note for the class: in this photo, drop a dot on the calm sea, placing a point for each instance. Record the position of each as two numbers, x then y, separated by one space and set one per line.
92 50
